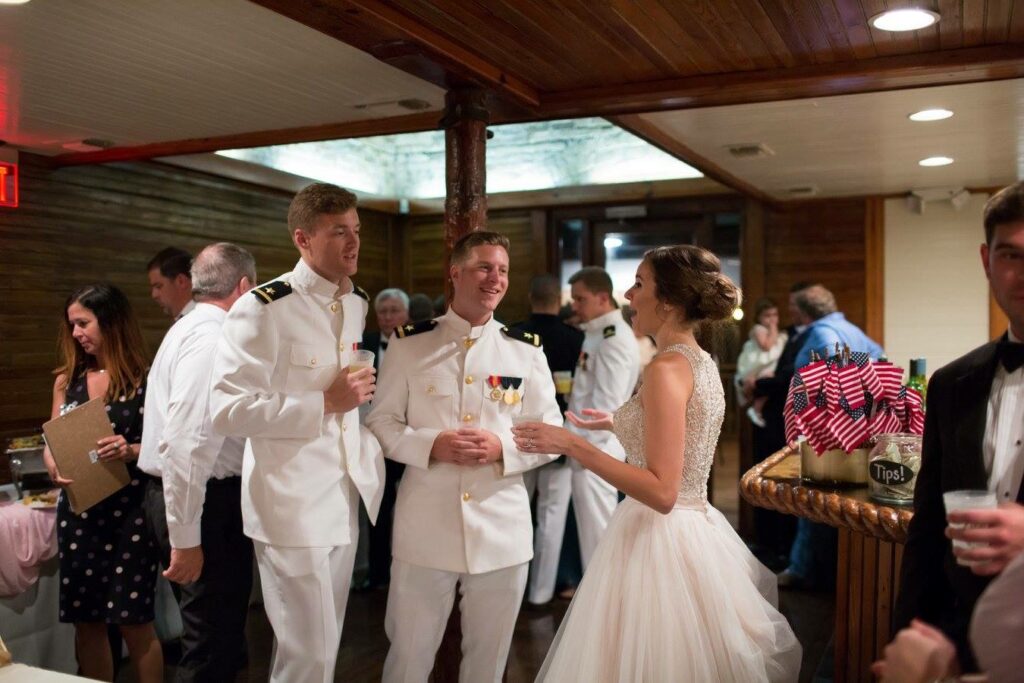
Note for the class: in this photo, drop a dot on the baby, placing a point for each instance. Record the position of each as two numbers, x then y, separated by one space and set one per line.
759 355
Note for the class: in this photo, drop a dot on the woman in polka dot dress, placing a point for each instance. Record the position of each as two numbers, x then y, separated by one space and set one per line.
108 559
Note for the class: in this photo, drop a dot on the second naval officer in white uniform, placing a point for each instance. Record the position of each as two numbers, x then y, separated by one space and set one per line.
606 373
281 379
447 395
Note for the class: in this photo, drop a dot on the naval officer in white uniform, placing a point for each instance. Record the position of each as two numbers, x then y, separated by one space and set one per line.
606 373
281 379
444 407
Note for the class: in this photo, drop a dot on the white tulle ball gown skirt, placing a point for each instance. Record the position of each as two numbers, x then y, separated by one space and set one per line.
673 598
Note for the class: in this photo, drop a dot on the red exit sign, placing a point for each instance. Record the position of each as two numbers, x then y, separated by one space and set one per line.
8 184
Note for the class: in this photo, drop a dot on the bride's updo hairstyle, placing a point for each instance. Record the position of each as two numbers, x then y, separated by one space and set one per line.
690 279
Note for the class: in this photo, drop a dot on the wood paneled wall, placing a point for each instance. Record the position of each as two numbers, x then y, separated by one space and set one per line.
818 241
526 230
103 223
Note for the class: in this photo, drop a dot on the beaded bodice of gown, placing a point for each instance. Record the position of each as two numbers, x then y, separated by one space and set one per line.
704 414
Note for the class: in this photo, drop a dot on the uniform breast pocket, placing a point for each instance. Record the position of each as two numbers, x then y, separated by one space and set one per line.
308 369
432 401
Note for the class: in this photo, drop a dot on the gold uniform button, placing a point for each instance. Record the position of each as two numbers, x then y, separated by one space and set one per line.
312 361
431 390
466 497
467 418
469 379
468 342
334 307
344 427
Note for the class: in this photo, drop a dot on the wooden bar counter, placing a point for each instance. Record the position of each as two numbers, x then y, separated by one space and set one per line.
871 537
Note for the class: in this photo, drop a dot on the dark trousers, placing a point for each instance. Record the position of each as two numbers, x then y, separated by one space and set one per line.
213 608
379 573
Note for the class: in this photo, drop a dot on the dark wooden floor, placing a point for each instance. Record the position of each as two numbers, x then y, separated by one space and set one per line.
364 645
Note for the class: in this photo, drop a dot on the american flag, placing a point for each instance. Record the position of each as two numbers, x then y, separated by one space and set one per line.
914 408
891 378
868 374
850 386
885 420
849 426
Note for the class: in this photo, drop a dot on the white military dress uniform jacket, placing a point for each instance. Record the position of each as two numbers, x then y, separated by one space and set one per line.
605 376
283 344
444 374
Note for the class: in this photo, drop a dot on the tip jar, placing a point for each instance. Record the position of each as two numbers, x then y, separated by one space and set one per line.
893 465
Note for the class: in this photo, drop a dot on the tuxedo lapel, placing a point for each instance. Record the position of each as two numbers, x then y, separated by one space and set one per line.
970 407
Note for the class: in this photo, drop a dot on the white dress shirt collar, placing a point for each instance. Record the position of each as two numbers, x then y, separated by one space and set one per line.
304 277
602 321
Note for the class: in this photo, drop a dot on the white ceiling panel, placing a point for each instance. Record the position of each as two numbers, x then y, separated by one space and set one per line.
142 71
864 144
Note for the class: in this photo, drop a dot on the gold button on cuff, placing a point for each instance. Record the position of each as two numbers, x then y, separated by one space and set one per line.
469 379
467 418
334 307
466 497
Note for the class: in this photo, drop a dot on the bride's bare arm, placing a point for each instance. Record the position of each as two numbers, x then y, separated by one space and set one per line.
668 383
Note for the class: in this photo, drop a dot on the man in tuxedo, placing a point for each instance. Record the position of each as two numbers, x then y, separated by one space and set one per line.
392 308
974 428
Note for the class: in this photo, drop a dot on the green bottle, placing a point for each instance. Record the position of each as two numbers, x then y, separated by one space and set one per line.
918 379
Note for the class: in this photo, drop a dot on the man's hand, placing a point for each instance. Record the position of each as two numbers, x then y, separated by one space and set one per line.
917 654
1001 531
466 446
350 390
186 565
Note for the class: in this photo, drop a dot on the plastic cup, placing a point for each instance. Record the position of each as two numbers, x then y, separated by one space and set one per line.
361 358
967 500
563 382
526 418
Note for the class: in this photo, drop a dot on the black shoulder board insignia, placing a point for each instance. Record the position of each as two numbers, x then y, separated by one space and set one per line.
409 329
530 338
360 292
609 331
272 291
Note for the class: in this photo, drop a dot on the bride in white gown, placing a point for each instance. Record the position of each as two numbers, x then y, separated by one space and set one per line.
672 593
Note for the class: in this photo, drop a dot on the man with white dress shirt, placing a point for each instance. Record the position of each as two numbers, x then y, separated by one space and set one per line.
444 408
973 439
606 373
170 281
193 500
282 380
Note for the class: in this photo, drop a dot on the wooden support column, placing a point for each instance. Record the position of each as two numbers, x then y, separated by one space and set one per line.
465 211
465 168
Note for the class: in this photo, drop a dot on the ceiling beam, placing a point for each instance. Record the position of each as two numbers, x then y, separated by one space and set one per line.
638 126
404 42
410 123
946 67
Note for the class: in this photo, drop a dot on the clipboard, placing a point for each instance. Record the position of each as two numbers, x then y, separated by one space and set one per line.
72 441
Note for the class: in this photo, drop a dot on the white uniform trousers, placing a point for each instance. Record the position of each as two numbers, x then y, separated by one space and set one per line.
594 500
419 602
305 591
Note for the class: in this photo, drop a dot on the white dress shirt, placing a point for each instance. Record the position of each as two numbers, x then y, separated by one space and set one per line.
178 440
189 307
1004 432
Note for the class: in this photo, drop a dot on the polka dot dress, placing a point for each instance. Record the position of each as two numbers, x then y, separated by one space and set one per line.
108 559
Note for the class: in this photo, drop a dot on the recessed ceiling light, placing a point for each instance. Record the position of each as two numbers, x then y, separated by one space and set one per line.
935 161
930 115
904 19
13 2
612 242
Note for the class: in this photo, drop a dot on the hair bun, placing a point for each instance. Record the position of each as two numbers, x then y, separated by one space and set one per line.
691 278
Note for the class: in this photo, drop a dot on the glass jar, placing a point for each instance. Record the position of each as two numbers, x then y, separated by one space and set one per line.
893 465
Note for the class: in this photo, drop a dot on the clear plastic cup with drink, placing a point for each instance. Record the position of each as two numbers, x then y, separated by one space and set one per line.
967 500
361 358
563 381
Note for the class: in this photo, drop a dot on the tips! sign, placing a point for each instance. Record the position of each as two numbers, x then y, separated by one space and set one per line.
8 184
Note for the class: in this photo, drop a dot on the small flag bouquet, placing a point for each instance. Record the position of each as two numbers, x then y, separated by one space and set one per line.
844 401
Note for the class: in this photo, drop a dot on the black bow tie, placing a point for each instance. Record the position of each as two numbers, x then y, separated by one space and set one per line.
1011 354
383 346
